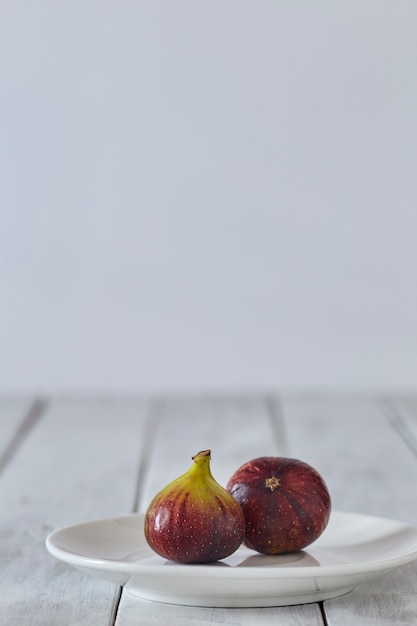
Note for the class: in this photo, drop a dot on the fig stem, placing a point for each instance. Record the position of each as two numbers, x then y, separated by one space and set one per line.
203 453
201 463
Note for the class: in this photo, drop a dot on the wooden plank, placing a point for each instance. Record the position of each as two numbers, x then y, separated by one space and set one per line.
369 469
364 461
134 611
236 430
80 462
387 601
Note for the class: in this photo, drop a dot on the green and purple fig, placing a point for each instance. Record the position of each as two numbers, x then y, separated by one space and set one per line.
194 519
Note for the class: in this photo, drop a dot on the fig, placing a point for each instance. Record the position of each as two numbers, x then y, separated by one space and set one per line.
194 519
285 502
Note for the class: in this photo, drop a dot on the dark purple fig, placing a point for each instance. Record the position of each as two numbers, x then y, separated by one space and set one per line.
285 502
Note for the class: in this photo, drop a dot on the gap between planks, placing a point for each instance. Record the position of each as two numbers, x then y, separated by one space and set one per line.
276 416
32 417
149 436
153 421
323 613
400 419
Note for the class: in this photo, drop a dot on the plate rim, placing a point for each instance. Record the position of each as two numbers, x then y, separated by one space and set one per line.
267 572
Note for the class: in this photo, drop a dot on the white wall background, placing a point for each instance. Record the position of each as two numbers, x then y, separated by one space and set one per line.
208 194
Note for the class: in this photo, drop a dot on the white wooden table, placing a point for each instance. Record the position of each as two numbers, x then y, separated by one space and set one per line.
67 460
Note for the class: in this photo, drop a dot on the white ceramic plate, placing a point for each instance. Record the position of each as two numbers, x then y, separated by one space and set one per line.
353 548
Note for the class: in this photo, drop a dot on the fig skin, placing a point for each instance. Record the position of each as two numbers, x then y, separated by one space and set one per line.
285 502
194 519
